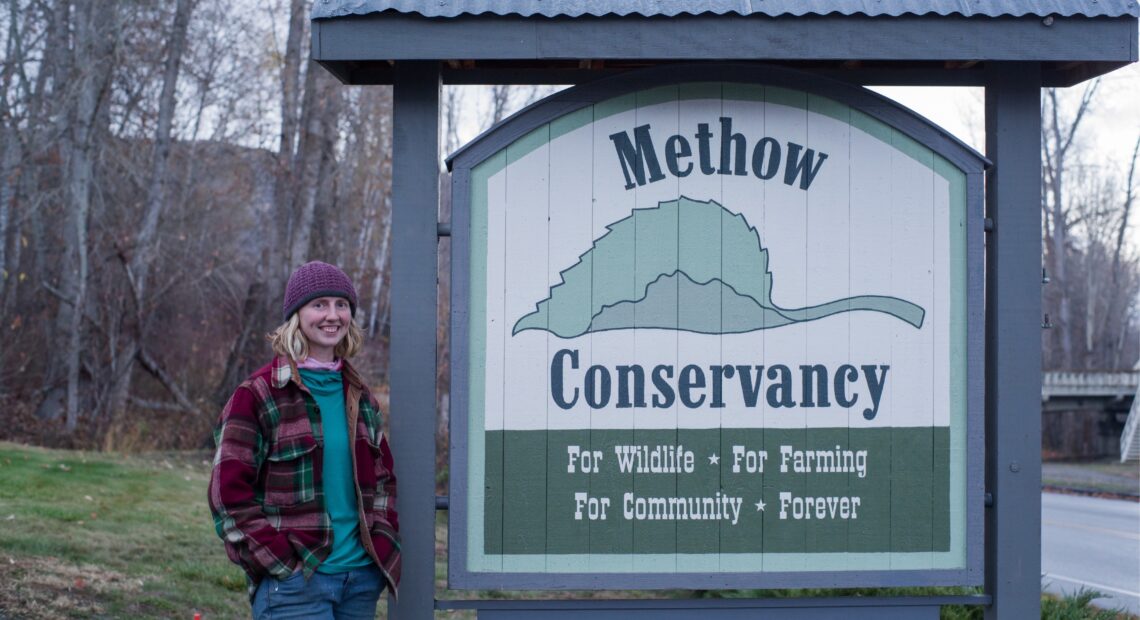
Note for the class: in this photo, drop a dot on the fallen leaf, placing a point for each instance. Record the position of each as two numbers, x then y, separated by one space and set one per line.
94 516
79 583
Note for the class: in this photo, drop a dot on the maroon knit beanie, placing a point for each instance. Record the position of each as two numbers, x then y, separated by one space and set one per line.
316 279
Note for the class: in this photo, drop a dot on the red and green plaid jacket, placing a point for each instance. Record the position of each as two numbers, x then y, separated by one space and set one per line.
265 489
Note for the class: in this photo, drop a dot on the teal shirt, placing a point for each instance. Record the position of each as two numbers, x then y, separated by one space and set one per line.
347 553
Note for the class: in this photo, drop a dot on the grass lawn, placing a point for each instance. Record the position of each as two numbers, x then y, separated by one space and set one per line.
1104 476
89 535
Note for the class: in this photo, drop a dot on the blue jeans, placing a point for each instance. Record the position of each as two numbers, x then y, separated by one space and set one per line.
343 596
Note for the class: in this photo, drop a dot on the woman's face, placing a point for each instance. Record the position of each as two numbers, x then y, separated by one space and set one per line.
324 321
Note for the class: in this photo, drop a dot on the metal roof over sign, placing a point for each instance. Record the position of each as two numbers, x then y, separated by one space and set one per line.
771 8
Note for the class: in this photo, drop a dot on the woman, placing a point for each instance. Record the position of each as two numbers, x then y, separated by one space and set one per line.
302 490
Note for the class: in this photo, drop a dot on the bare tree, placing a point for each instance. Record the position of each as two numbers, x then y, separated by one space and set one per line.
9 144
1114 328
140 257
1058 135
1095 279
314 162
452 103
96 31
275 251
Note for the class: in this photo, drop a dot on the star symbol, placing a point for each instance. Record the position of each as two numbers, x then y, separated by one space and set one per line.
714 459
760 506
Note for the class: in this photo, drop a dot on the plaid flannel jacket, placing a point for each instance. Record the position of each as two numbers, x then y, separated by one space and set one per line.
265 489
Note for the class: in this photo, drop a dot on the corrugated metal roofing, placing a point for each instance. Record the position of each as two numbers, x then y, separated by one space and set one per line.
770 8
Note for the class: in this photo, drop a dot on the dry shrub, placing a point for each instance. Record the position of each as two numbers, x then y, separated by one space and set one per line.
19 424
139 430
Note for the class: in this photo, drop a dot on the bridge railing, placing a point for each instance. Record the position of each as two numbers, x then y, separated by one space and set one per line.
1120 384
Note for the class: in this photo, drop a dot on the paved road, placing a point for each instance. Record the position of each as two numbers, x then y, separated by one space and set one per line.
1092 543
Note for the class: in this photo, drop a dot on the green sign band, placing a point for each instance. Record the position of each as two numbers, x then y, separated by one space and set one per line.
717 491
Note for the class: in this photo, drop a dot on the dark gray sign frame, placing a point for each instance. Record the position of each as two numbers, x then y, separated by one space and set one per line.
921 130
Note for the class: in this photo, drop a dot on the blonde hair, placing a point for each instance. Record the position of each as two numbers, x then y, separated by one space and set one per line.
290 341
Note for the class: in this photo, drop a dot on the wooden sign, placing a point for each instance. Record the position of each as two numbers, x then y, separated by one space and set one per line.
716 332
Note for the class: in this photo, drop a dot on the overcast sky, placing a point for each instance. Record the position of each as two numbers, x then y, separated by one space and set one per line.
1109 136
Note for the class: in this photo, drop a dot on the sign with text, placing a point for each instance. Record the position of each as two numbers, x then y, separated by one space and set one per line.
712 328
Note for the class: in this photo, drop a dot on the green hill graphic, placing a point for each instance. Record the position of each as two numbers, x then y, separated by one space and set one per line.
674 266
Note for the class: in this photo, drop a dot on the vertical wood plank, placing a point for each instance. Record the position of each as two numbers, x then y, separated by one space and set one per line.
742 426
611 542
699 103
828 278
525 376
785 220
911 397
872 193
654 541
492 224
569 234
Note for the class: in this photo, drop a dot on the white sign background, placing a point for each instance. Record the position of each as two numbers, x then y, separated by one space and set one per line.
883 216
875 221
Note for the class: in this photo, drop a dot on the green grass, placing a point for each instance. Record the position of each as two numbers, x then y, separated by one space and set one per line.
1104 476
102 535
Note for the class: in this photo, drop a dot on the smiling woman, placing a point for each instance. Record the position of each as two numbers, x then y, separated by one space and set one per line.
325 322
302 489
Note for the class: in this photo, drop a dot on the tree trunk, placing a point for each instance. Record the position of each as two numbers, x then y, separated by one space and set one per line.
9 150
375 321
1113 340
1060 274
238 362
9 181
1129 198
145 243
151 365
292 95
267 286
95 38
315 155
1057 139
291 81
48 111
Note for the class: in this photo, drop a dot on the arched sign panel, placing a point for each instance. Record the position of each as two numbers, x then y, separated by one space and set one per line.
716 334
